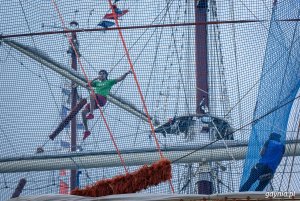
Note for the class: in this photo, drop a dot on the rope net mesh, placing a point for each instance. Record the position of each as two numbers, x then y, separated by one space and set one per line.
241 60
279 84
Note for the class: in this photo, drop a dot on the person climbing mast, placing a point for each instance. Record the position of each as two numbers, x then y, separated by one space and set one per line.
101 86
271 155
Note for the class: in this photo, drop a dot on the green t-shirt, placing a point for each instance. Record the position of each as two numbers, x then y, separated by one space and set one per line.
103 88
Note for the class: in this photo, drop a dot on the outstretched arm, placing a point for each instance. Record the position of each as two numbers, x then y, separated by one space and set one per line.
123 76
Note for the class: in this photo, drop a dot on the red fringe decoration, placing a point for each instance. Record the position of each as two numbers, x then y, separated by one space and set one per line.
146 176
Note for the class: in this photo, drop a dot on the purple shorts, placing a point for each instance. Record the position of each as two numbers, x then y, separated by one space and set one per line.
101 101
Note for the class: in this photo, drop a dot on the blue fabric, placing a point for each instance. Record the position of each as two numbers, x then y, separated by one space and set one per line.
279 82
118 11
64 112
273 154
66 92
106 24
65 144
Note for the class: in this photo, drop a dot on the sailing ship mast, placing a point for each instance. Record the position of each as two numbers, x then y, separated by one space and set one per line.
204 183
201 55
74 95
211 92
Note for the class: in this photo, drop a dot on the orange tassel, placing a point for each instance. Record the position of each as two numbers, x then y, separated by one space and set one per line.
130 183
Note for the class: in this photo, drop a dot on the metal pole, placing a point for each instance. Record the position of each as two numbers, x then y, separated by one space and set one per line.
85 160
201 55
74 95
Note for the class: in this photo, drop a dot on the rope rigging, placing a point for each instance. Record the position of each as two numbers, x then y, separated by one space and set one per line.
119 60
135 76
86 77
167 92
75 110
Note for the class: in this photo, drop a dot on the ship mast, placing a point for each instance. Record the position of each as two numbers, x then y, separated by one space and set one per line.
74 95
201 57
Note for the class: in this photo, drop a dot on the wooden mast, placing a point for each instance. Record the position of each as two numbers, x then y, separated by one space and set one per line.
74 95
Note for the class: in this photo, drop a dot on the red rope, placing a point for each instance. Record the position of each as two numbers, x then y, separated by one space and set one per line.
90 87
138 85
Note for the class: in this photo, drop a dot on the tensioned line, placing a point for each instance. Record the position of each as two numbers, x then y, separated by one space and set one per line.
144 26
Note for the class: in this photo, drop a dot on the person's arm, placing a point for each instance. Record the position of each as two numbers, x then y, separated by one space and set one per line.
123 76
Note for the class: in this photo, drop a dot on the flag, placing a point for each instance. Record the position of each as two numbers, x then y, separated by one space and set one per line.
80 126
77 177
65 144
65 91
106 24
119 14
64 111
63 187
62 173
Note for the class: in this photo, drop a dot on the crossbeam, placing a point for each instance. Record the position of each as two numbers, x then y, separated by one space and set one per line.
86 160
71 75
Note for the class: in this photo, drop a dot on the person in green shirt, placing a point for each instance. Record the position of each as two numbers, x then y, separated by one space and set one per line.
101 86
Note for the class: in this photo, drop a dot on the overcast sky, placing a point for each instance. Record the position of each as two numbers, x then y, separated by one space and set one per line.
164 62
